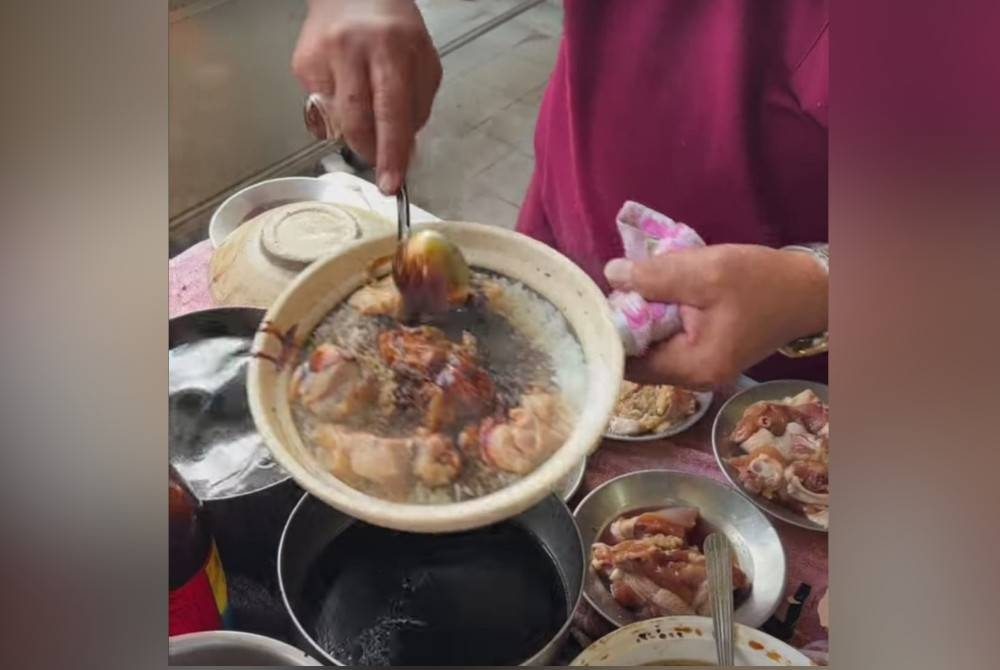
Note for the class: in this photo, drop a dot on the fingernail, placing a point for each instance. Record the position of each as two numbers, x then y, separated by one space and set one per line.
388 182
619 272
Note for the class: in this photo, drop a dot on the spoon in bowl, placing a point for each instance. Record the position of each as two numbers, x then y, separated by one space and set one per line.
720 585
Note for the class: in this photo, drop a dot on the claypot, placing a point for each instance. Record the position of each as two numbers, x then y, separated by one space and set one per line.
326 283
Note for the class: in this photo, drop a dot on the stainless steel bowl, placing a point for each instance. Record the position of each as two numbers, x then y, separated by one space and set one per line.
751 534
313 525
233 648
235 210
726 420
247 524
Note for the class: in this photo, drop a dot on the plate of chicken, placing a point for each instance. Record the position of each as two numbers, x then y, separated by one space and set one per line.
772 441
654 412
645 531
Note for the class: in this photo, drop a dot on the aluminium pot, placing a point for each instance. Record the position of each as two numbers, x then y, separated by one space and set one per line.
313 526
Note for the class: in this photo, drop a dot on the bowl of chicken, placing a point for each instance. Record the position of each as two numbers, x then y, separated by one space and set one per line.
644 532
436 424
772 441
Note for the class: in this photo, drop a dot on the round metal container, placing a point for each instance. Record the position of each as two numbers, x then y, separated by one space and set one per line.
753 538
247 524
232 648
725 422
313 525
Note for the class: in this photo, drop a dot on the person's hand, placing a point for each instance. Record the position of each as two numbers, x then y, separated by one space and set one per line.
376 61
738 303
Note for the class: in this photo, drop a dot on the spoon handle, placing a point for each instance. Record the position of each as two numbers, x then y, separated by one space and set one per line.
720 584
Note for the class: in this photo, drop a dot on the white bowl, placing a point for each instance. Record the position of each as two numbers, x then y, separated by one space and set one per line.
329 281
676 639
236 209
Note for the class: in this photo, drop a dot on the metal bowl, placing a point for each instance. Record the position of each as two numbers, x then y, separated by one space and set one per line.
569 485
726 420
247 521
224 647
313 526
704 402
681 640
753 538
236 209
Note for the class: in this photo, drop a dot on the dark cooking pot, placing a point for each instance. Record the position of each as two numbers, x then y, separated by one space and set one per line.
310 539
208 411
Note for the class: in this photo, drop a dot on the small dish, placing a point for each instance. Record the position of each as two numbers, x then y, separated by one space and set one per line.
725 421
704 399
753 539
258 198
686 641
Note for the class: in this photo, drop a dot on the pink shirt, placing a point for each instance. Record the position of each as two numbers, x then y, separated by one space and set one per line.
713 112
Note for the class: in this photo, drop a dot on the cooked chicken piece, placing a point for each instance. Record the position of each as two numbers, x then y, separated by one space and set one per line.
784 444
533 432
331 384
805 409
461 390
606 556
360 458
675 521
760 474
808 482
770 416
812 413
641 594
436 462
650 409
443 378
380 298
390 464
415 352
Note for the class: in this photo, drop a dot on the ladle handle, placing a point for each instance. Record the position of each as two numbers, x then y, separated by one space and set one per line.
402 213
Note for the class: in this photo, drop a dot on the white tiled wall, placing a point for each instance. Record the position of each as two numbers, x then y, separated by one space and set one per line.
476 155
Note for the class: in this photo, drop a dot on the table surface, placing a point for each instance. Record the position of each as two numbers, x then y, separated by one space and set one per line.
691 451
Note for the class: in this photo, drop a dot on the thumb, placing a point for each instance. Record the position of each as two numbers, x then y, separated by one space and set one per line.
675 277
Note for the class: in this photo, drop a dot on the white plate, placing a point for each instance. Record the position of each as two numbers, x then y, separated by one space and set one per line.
754 540
686 638
704 402
729 415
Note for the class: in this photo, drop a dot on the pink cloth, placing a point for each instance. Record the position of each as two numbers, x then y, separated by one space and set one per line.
714 111
690 452
645 233
189 281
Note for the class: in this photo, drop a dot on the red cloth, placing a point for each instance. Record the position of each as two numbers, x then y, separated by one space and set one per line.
713 112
